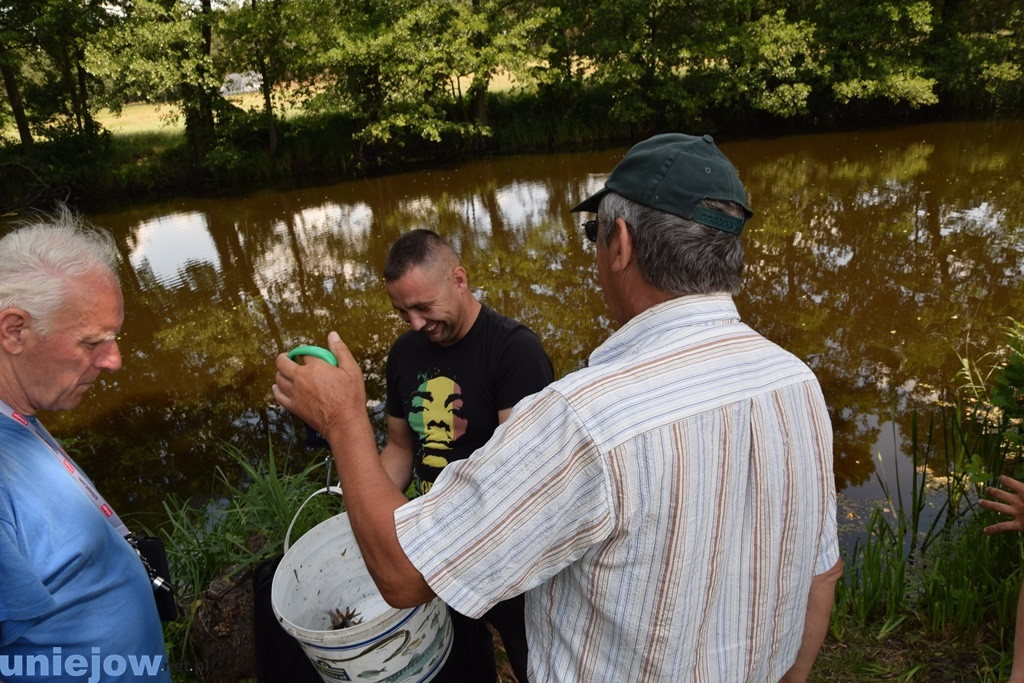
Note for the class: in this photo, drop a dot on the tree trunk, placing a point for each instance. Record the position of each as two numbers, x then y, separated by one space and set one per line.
197 100
268 108
198 121
83 91
267 87
205 95
69 84
17 106
479 89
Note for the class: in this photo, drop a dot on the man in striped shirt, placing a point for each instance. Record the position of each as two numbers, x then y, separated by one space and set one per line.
676 520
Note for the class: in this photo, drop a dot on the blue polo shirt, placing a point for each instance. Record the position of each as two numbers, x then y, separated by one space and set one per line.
75 600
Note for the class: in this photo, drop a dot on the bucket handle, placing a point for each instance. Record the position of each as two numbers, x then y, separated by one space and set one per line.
336 490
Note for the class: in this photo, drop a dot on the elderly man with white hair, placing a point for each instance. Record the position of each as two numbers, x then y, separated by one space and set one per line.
75 597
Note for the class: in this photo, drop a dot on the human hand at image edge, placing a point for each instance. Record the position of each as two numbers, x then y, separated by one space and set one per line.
1006 502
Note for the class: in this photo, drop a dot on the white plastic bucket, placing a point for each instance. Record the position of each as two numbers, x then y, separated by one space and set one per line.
324 571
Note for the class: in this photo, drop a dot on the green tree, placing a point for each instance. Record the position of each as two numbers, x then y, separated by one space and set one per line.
60 33
14 17
42 45
423 69
422 75
875 53
270 38
161 51
563 70
198 88
769 64
639 51
499 35
978 52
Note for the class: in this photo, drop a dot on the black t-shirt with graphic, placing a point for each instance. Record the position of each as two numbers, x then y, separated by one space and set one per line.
450 395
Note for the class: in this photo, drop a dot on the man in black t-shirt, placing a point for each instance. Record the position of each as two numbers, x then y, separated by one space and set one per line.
451 380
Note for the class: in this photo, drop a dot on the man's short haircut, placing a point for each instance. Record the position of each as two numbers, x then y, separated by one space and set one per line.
674 254
43 256
420 247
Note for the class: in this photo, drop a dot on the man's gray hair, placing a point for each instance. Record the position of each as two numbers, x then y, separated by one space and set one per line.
674 254
43 256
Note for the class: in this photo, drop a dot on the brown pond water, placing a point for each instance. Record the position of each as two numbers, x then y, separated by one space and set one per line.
875 256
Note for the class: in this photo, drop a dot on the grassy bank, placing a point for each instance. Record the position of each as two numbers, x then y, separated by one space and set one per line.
144 154
213 548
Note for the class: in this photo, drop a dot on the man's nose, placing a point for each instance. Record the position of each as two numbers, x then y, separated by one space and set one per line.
109 357
417 321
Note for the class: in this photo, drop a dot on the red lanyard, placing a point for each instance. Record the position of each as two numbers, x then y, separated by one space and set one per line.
40 433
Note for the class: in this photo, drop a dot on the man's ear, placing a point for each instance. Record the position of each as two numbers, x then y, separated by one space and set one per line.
460 278
13 323
620 247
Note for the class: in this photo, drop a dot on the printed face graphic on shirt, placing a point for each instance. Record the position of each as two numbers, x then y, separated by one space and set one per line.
436 418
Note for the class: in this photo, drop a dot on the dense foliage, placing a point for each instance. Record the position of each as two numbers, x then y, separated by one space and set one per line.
370 83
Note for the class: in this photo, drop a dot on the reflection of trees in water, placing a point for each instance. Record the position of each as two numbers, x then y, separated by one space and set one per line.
873 256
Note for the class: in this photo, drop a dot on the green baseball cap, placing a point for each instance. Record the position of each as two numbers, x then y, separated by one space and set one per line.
673 173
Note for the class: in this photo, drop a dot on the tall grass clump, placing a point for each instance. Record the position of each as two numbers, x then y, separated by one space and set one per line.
937 577
883 568
243 524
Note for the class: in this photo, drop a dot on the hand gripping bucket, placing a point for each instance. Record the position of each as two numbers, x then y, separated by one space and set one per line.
320 579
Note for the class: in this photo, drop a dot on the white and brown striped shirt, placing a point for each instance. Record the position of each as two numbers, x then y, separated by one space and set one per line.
664 508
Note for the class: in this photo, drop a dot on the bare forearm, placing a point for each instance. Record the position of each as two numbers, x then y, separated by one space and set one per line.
371 499
1017 672
333 401
398 466
819 610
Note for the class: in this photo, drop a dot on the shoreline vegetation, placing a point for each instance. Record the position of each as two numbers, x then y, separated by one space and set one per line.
297 92
926 595
127 166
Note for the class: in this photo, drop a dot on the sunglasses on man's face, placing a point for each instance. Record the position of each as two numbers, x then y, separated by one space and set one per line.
590 229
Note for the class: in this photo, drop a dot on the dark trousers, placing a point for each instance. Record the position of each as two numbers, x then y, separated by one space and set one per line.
279 657
472 657
508 619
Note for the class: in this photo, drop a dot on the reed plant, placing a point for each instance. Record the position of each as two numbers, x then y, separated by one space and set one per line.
243 523
925 579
